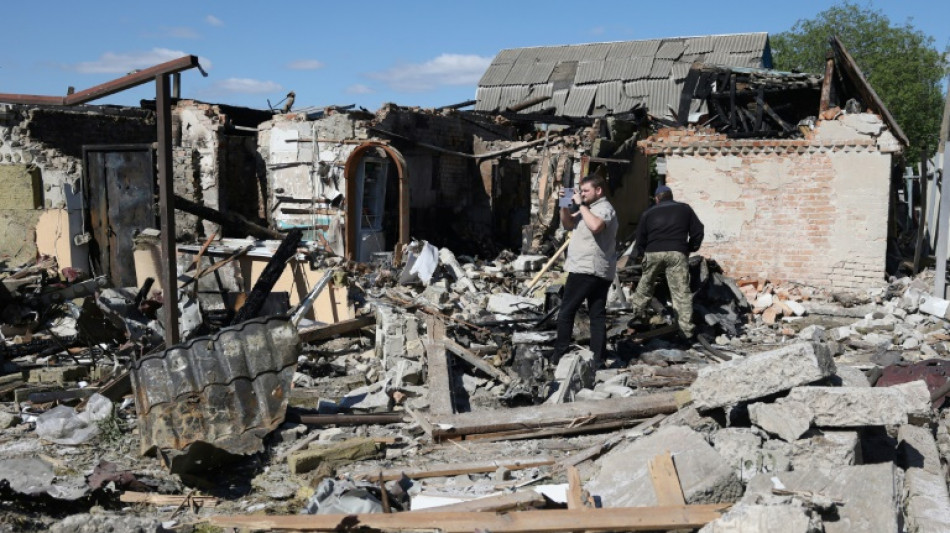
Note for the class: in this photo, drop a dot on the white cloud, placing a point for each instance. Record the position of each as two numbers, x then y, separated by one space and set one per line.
214 21
245 86
112 63
359 88
446 69
305 64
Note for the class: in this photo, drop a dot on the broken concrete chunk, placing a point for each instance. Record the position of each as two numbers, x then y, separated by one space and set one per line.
849 376
533 337
926 502
871 511
624 476
864 406
528 263
740 447
820 451
787 420
761 374
337 454
509 304
917 448
461 277
778 518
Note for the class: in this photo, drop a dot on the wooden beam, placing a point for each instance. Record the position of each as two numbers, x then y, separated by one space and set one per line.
440 376
268 278
168 499
922 217
232 221
610 519
825 102
666 484
583 427
329 331
554 415
575 491
476 361
457 469
605 446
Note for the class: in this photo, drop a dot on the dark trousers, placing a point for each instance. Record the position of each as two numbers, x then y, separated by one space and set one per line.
580 287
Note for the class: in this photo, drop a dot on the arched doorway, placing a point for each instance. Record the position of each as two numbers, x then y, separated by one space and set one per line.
354 172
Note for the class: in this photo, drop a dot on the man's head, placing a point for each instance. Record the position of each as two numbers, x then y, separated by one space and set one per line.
593 188
663 193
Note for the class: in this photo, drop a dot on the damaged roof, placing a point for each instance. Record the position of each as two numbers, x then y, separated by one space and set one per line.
609 78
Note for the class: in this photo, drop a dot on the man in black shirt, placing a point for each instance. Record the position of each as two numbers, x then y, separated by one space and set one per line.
667 233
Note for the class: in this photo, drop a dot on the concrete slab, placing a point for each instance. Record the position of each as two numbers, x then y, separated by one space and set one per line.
787 420
917 448
849 376
862 406
926 502
869 493
746 518
822 451
762 374
624 477
508 304
741 448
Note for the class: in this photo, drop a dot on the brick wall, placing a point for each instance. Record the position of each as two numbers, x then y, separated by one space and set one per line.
811 210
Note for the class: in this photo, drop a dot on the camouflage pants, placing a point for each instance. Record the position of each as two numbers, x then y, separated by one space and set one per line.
677 277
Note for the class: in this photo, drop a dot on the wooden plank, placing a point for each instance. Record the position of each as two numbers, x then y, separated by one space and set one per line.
476 361
605 446
575 491
457 469
612 519
329 331
439 376
922 216
666 483
580 429
520 500
168 499
546 416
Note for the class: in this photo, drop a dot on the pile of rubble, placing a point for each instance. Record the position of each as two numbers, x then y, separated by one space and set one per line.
438 406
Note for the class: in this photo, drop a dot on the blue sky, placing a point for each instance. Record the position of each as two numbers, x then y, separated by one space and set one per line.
424 53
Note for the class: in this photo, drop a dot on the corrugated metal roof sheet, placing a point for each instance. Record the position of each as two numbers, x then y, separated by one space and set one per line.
628 61
579 100
662 68
671 49
743 42
546 89
228 390
512 95
701 45
608 95
495 75
486 98
589 71
559 100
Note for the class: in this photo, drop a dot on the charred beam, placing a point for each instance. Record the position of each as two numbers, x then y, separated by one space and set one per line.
230 221
270 275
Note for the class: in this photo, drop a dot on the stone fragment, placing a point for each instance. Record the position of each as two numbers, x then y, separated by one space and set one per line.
787 420
624 478
863 509
761 374
509 304
341 453
533 337
917 448
8 420
926 502
778 518
820 451
864 406
528 263
849 376
797 308
741 448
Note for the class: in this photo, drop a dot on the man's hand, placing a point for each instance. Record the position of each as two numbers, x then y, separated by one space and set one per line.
577 197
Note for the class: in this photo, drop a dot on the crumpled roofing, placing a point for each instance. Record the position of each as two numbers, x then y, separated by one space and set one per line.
228 390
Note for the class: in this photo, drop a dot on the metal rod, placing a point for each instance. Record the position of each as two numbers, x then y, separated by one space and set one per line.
307 302
163 112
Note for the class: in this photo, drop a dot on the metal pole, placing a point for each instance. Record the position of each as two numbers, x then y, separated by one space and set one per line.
940 276
176 85
166 202
922 212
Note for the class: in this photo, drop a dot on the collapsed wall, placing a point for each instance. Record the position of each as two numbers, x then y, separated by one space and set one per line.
809 210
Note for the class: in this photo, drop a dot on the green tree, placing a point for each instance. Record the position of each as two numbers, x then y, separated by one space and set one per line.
900 62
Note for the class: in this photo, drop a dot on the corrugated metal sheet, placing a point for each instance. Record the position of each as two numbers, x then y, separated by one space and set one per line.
633 68
521 71
495 75
701 45
719 58
590 71
680 70
579 100
608 95
595 52
546 89
540 73
509 55
228 390
662 68
646 48
513 95
743 42
559 100
671 49
486 98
